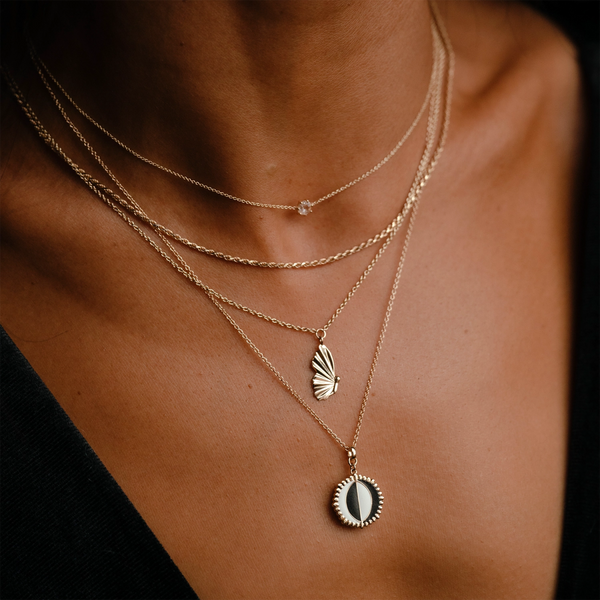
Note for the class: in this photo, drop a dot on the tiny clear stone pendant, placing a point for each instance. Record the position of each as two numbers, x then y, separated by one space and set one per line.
305 207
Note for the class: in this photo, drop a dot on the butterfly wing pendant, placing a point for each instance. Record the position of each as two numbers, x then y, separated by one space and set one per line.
325 381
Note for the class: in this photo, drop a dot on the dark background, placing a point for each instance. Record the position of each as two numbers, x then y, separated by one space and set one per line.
580 19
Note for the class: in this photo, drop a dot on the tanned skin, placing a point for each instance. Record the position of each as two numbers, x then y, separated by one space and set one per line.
280 101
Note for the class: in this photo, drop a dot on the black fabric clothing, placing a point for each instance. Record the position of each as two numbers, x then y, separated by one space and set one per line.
69 531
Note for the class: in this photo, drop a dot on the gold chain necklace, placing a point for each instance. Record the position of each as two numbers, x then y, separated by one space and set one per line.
303 208
357 500
134 208
325 381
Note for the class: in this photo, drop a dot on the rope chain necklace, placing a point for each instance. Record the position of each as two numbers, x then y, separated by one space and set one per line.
357 500
302 208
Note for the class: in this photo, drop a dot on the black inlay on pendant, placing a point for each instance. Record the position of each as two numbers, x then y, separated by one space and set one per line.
352 501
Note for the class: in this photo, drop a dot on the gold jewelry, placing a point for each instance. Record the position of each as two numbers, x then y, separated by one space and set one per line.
134 208
325 381
357 500
303 208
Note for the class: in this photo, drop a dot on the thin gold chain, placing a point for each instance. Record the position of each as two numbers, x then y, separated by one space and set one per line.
99 189
424 171
415 190
390 304
374 362
133 206
304 207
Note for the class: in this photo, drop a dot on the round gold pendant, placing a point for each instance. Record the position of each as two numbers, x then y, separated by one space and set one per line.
357 501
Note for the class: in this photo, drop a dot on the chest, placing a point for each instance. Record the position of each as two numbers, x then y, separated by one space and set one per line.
464 432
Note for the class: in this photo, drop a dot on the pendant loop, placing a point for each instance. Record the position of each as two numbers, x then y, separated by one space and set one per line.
321 334
352 460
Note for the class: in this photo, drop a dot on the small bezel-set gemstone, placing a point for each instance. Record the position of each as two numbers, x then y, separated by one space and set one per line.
305 207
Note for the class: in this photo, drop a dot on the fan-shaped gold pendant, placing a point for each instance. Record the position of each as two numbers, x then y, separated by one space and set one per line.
325 381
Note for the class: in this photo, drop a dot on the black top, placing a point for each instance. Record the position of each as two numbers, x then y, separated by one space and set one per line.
69 531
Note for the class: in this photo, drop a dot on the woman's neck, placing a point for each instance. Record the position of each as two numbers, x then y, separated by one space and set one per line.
254 96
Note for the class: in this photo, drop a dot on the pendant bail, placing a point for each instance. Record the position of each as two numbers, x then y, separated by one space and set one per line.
352 460
321 334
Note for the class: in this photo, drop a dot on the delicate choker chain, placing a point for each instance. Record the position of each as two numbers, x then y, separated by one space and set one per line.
134 208
303 208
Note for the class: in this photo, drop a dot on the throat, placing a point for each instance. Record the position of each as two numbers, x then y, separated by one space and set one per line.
305 95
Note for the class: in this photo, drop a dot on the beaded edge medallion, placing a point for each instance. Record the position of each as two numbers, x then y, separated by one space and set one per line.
357 501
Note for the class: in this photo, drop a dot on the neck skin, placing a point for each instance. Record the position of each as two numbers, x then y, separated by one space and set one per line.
274 101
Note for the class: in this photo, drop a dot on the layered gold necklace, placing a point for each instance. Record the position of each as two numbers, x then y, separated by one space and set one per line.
325 380
357 500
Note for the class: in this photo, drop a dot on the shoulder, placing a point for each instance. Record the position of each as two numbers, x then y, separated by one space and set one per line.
495 39
518 103
512 60
508 178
